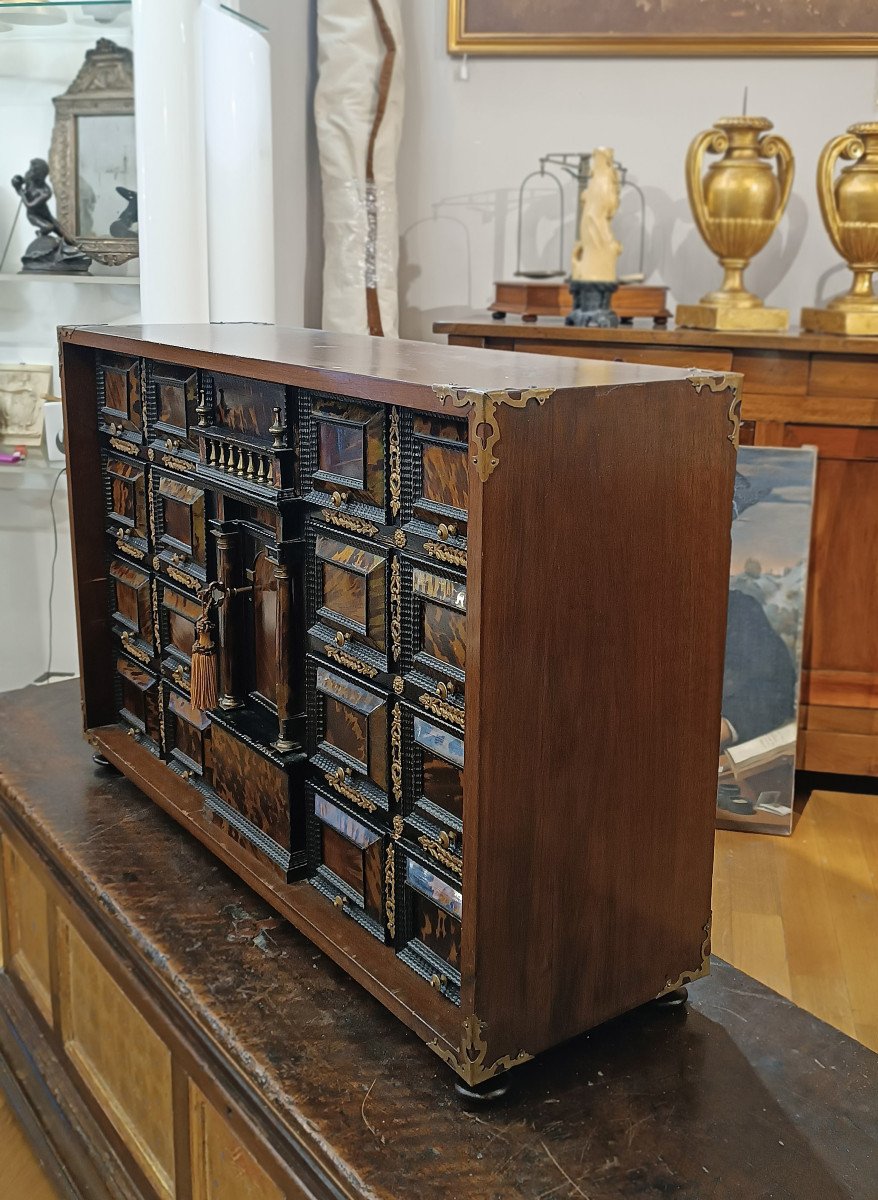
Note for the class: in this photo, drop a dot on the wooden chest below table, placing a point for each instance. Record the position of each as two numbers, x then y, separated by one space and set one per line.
468 647
799 390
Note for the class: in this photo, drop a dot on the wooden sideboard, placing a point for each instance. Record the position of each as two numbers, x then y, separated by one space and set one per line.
163 1034
799 389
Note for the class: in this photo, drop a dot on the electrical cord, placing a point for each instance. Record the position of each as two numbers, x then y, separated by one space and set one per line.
63 471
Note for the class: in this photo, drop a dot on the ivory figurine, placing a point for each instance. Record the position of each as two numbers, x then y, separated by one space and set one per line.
596 253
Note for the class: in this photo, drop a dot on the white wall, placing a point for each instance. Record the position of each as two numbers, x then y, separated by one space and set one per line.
467 145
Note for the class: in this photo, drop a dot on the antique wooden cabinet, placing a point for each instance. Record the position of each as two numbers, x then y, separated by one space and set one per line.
799 389
462 617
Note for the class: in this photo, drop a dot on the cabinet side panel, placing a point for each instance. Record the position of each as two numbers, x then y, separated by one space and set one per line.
604 564
86 500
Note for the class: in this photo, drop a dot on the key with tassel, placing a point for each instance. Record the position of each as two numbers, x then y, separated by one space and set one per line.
202 677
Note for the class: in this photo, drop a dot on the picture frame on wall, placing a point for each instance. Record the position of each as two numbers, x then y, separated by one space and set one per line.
707 28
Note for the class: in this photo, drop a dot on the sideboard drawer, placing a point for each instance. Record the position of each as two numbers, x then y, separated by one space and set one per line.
347 862
127 518
343 453
434 643
132 608
350 735
181 529
436 753
438 497
119 396
139 700
430 924
347 594
178 614
174 394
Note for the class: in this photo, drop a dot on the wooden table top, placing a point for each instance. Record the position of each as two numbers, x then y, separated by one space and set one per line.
746 1096
553 329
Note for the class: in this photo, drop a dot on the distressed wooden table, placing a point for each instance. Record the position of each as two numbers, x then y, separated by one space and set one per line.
162 1033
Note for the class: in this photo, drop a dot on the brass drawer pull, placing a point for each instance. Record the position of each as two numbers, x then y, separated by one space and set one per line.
179 675
341 638
446 531
338 901
338 499
444 690
438 982
444 839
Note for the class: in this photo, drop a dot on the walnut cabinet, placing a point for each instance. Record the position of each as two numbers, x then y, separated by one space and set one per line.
468 615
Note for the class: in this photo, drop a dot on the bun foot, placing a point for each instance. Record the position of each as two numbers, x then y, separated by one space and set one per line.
99 761
477 1095
675 999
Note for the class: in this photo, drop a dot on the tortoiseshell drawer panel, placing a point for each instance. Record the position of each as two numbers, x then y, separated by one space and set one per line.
181 529
349 739
433 787
119 396
139 700
127 505
434 643
347 856
347 600
132 608
429 914
178 614
188 733
437 498
174 396
343 454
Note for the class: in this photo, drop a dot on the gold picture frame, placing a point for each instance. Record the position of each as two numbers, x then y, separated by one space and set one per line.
526 30
101 95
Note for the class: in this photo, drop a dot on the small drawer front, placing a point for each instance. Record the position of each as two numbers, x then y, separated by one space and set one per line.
247 409
349 741
435 751
132 609
179 613
439 492
119 396
348 862
188 732
343 452
139 699
348 595
174 397
434 643
181 528
127 518
432 910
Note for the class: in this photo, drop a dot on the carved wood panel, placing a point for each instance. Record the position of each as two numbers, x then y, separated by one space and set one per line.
27 909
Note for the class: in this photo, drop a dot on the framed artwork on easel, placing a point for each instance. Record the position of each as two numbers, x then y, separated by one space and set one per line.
707 28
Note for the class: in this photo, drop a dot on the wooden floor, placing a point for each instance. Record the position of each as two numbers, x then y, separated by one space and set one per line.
801 913
21 1176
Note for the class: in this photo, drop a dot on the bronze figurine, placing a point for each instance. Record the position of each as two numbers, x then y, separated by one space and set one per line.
52 250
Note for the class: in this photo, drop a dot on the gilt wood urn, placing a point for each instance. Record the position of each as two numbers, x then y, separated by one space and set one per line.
737 203
849 204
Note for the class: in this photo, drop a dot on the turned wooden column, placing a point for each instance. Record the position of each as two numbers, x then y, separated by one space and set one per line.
228 565
283 632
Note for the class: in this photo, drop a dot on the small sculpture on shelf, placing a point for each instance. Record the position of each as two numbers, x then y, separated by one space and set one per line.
51 250
595 255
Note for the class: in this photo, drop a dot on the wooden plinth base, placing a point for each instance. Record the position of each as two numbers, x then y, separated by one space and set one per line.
838 321
726 318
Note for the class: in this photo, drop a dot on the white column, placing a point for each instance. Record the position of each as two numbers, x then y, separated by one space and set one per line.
240 178
168 101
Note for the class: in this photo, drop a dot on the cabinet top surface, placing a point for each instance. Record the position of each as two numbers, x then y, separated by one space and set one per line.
553 329
335 361
649 1098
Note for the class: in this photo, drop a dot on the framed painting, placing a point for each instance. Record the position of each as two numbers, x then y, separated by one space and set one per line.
771 535
663 27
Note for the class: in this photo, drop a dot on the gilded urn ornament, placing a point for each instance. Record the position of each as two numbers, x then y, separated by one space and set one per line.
737 204
850 213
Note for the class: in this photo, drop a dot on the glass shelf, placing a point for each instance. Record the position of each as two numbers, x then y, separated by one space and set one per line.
48 277
24 18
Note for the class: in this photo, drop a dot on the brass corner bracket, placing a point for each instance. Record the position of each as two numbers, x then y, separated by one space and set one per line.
469 1060
485 406
699 972
721 382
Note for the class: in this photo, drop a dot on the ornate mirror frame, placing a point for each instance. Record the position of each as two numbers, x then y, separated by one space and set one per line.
103 87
